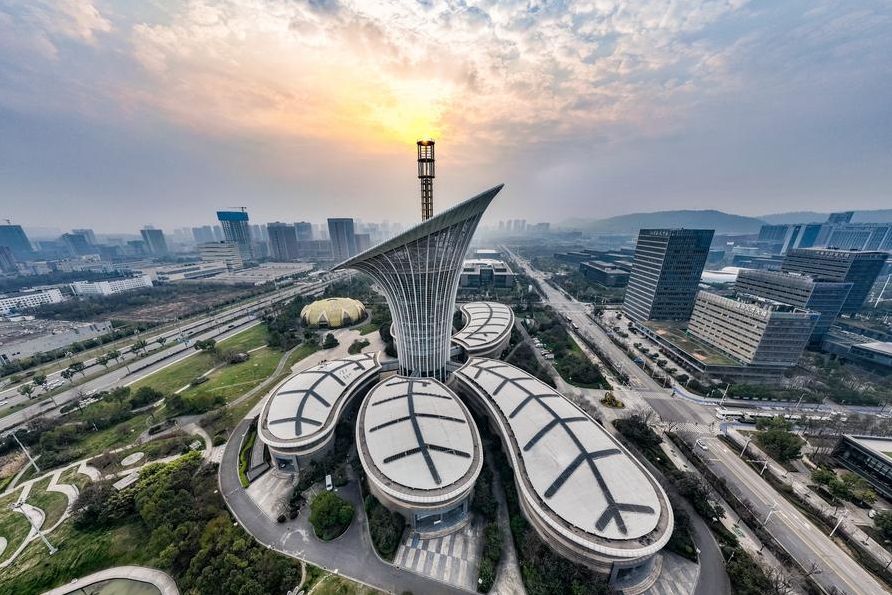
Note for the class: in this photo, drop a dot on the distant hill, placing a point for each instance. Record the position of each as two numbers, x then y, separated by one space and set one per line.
717 220
870 216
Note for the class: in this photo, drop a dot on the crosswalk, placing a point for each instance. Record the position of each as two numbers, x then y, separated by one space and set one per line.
452 558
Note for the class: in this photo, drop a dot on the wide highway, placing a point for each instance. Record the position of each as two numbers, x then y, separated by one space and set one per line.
218 326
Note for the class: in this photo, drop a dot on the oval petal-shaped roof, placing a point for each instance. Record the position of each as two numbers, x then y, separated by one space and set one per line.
333 312
308 403
488 324
417 439
582 478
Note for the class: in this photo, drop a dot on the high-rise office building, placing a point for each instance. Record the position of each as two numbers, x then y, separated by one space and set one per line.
844 266
861 236
7 261
88 234
154 239
796 289
784 238
666 270
203 235
304 231
14 238
753 331
282 241
77 244
343 238
236 230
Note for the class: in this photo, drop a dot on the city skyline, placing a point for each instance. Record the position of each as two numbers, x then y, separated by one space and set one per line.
170 112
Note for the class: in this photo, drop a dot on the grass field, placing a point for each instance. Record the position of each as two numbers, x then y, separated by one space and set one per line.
71 476
13 525
53 504
80 553
336 585
233 380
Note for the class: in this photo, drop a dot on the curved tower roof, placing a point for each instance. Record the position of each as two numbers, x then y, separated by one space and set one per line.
418 271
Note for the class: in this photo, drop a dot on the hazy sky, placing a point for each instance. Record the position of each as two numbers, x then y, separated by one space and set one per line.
116 114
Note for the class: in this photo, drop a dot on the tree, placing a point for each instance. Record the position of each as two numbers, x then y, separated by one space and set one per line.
330 515
823 476
775 438
78 368
699 494
114 354
883 522
206 345
138 346
161 341
67 374
103 360
39 380
330 341
26 389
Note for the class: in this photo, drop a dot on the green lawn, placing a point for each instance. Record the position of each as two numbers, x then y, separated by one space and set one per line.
53 504
13 525
175 377
338 585
80 553
300 353
233 380
71 476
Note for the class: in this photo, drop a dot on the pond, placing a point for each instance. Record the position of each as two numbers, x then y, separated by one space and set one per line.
117 586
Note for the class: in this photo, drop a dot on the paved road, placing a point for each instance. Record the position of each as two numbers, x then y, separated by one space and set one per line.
794 531
164 582
218 326
669 408
351 555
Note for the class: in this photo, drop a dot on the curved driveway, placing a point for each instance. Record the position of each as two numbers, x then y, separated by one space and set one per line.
351 555
159 579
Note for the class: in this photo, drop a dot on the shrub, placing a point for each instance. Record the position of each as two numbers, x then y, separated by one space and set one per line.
330 515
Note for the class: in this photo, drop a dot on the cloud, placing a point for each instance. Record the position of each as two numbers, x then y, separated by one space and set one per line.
394 71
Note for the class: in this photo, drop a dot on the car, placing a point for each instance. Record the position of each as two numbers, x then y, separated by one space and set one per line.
328 483
701 444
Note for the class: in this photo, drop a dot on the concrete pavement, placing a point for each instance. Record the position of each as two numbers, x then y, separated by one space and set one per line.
162 581
351 555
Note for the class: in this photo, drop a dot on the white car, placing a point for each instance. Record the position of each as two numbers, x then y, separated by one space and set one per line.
701 444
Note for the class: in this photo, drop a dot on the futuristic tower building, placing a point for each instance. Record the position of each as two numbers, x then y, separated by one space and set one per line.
418 272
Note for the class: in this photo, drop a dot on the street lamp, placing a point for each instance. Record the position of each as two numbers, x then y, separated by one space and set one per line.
27 454
845 513
770 512
745 444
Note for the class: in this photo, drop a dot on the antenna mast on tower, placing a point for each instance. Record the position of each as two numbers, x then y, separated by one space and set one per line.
426 175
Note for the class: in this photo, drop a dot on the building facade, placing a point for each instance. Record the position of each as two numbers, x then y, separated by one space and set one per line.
154 239
861 269
824 297
304 231
666 272
14 238
604 273
25 300
751 330
111 287
227 252
343 238
484 272
866 456
236 230
282 241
